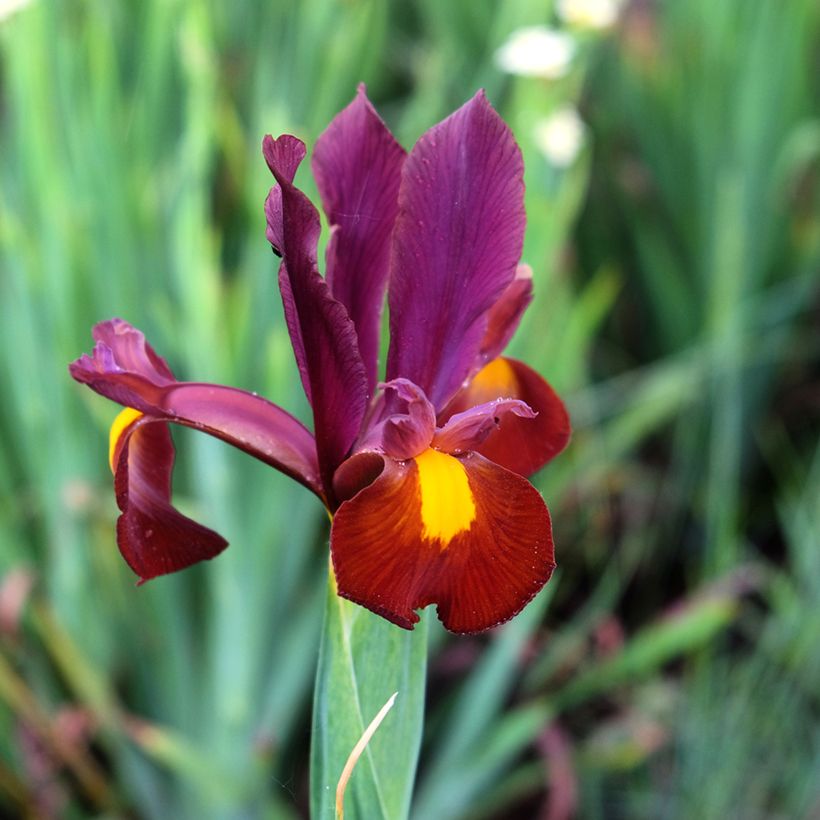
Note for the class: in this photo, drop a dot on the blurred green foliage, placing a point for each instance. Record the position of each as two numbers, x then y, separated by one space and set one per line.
670 667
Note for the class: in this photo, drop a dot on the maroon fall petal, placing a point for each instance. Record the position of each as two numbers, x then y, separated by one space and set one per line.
125 369
357 165
385 558
321 329
153 537
522 445
456 244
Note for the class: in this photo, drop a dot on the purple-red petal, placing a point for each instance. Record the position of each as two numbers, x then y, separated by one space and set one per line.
410 428
469 429
456 244
125 369
357 165
479 577
153 537
323 334
522 445
505 315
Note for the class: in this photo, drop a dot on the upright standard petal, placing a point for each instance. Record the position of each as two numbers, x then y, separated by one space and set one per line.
456 244
153 537
322 331
125 369
462 533
357 165
523 445
505 316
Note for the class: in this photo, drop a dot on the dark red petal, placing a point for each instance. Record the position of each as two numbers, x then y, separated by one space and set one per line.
153 537
456 245
356 473
357 164
484 574
521 445
125 369
323 334
469 429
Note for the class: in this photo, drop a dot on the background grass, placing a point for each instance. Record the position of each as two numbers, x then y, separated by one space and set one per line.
670 669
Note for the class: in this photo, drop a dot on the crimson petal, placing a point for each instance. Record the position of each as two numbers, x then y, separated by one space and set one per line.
125 369
153 537
323 334
357 165
456 244
479 576
522 445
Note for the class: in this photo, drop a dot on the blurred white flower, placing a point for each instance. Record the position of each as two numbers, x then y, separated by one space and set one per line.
536 51
589 14
8 7
560 136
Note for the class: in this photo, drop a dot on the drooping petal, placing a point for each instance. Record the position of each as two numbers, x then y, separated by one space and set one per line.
125 369
462 533
153 537
323 334
522 445
456 244
505 315
469 429
357 165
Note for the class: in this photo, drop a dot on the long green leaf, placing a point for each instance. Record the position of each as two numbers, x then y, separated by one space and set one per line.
363 660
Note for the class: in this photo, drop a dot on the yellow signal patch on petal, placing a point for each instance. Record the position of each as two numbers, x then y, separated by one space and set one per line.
496 379
125 418
447 503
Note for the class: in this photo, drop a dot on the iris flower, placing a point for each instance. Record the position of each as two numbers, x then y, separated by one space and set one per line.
424 473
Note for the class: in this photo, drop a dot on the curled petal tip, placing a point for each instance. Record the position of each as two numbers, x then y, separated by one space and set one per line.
283 155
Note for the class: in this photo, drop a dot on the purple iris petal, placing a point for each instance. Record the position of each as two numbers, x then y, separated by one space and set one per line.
409 429
125 369
456 244
286 153
468 430
321 329
505 316
357 165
